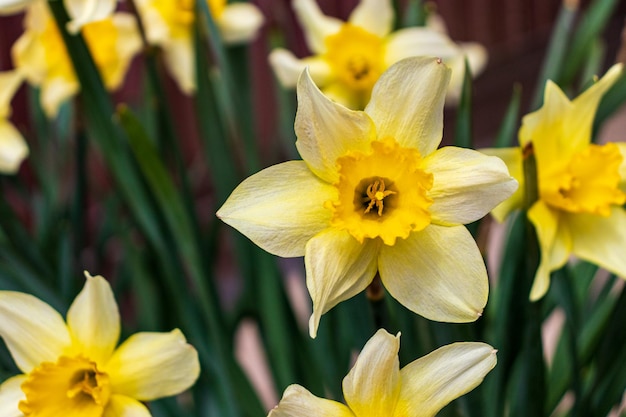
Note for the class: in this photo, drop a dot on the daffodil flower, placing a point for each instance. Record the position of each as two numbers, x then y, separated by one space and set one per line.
376 386
41 56
374 194
350 56
13 148
81 11
168 24
75 369
580 185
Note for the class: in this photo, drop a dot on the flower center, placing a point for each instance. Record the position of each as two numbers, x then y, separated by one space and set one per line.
381 193
356 57
70 387
588 184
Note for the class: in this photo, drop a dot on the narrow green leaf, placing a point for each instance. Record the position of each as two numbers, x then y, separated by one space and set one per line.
463 130
510 123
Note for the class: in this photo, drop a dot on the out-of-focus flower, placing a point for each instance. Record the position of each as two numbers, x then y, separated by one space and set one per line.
81 11
350 56
13 149
374 194
580 185
376 386
168 24
75 369
41 56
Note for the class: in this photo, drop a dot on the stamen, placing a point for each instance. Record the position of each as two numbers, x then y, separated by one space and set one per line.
376 193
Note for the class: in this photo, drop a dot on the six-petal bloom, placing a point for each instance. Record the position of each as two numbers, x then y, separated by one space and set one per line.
75 369
580 185
350 56
376 386
374 194
169 24
40 54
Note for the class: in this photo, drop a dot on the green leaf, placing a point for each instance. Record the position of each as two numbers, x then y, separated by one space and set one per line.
508 128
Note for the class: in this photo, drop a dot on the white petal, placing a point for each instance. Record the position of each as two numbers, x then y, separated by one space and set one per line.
280 208
122 406
94 319
337 268
180 62
288 68
431 382
10 396
466 184
153 365
55 91
13 148
375 16
315 24
33 331
327 130
476 55
407 103
419 41
298 402
10 81
372 386
437 273
240 22
8 7
87 11
512 157
554 243
600 240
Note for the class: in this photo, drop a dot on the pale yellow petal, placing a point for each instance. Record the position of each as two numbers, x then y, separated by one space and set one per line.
29 56
315 24
122 406
94 320
337 268
180 62
10 396
55 91
298 402
288 68
10 81
437 273
512 157
554 243
578 123
372 386
476 56
33 331
127 46
155 27
600 240
240 22
13 148
8 7
466 184
327 130
419 41
375 16
431 382
280 208
407 103
148 366
86 11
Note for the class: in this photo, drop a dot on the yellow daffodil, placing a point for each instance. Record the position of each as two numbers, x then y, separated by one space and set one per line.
75 369
374 194
13 148
580 185
168 24
81 11
376 386
350 56
41 56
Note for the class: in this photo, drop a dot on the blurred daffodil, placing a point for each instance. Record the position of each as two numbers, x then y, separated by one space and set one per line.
168 24
75 369
41 56
580 185
376 386
350 56
374 194
81 11
13 148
